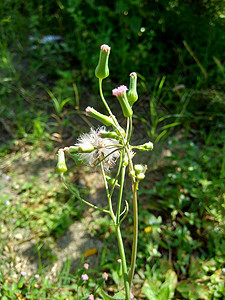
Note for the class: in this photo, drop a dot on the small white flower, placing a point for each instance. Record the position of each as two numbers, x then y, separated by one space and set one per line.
105 149
182 197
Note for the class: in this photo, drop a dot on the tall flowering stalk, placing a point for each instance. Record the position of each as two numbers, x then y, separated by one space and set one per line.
105 149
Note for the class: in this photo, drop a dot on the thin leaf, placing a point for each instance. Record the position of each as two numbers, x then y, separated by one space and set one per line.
170 125
160 136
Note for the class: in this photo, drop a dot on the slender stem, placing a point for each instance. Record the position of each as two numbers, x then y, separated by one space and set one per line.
120 194
135 232
103 99
81 199
116 124
127 131
130 129
124 264
107 193
117 174
124 213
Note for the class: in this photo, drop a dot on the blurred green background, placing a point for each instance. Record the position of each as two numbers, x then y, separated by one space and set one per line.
49 51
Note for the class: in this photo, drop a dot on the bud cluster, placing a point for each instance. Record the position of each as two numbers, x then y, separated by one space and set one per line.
140 171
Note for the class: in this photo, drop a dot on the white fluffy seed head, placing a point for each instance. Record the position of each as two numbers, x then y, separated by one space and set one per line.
104 148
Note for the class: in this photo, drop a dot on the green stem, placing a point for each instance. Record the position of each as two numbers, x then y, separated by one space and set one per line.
124 264
81 199
127 131
130 129
135 232
117 174
116 124
120 194
103 99
107 193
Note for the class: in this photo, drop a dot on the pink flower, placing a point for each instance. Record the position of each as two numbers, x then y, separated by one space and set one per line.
23 273
131 296
87 109
119 260
105 48
105 275
84 276
98 299
86 266
36 276
119 91
91 297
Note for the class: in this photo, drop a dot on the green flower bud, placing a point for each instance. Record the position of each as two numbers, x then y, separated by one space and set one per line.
86 148
140 176
91 112
61 164
72 149
132 95
145 147
110 135
139 169
120 93
102 69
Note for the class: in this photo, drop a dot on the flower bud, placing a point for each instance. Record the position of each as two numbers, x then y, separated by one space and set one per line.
120 93
102 69
132 95
91 112
146 147
61 164
85 148
73 149
110 135
139 169
141 176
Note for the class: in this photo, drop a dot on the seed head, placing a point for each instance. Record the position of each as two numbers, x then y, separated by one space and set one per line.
105 149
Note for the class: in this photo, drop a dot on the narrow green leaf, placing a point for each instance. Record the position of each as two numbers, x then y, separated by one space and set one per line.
170 125
160 136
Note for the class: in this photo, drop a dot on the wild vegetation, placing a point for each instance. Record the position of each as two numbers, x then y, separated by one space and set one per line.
49 52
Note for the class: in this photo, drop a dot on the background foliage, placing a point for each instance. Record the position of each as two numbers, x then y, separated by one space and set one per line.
49 51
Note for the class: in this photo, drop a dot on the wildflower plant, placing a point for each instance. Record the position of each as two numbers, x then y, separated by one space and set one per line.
107 149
